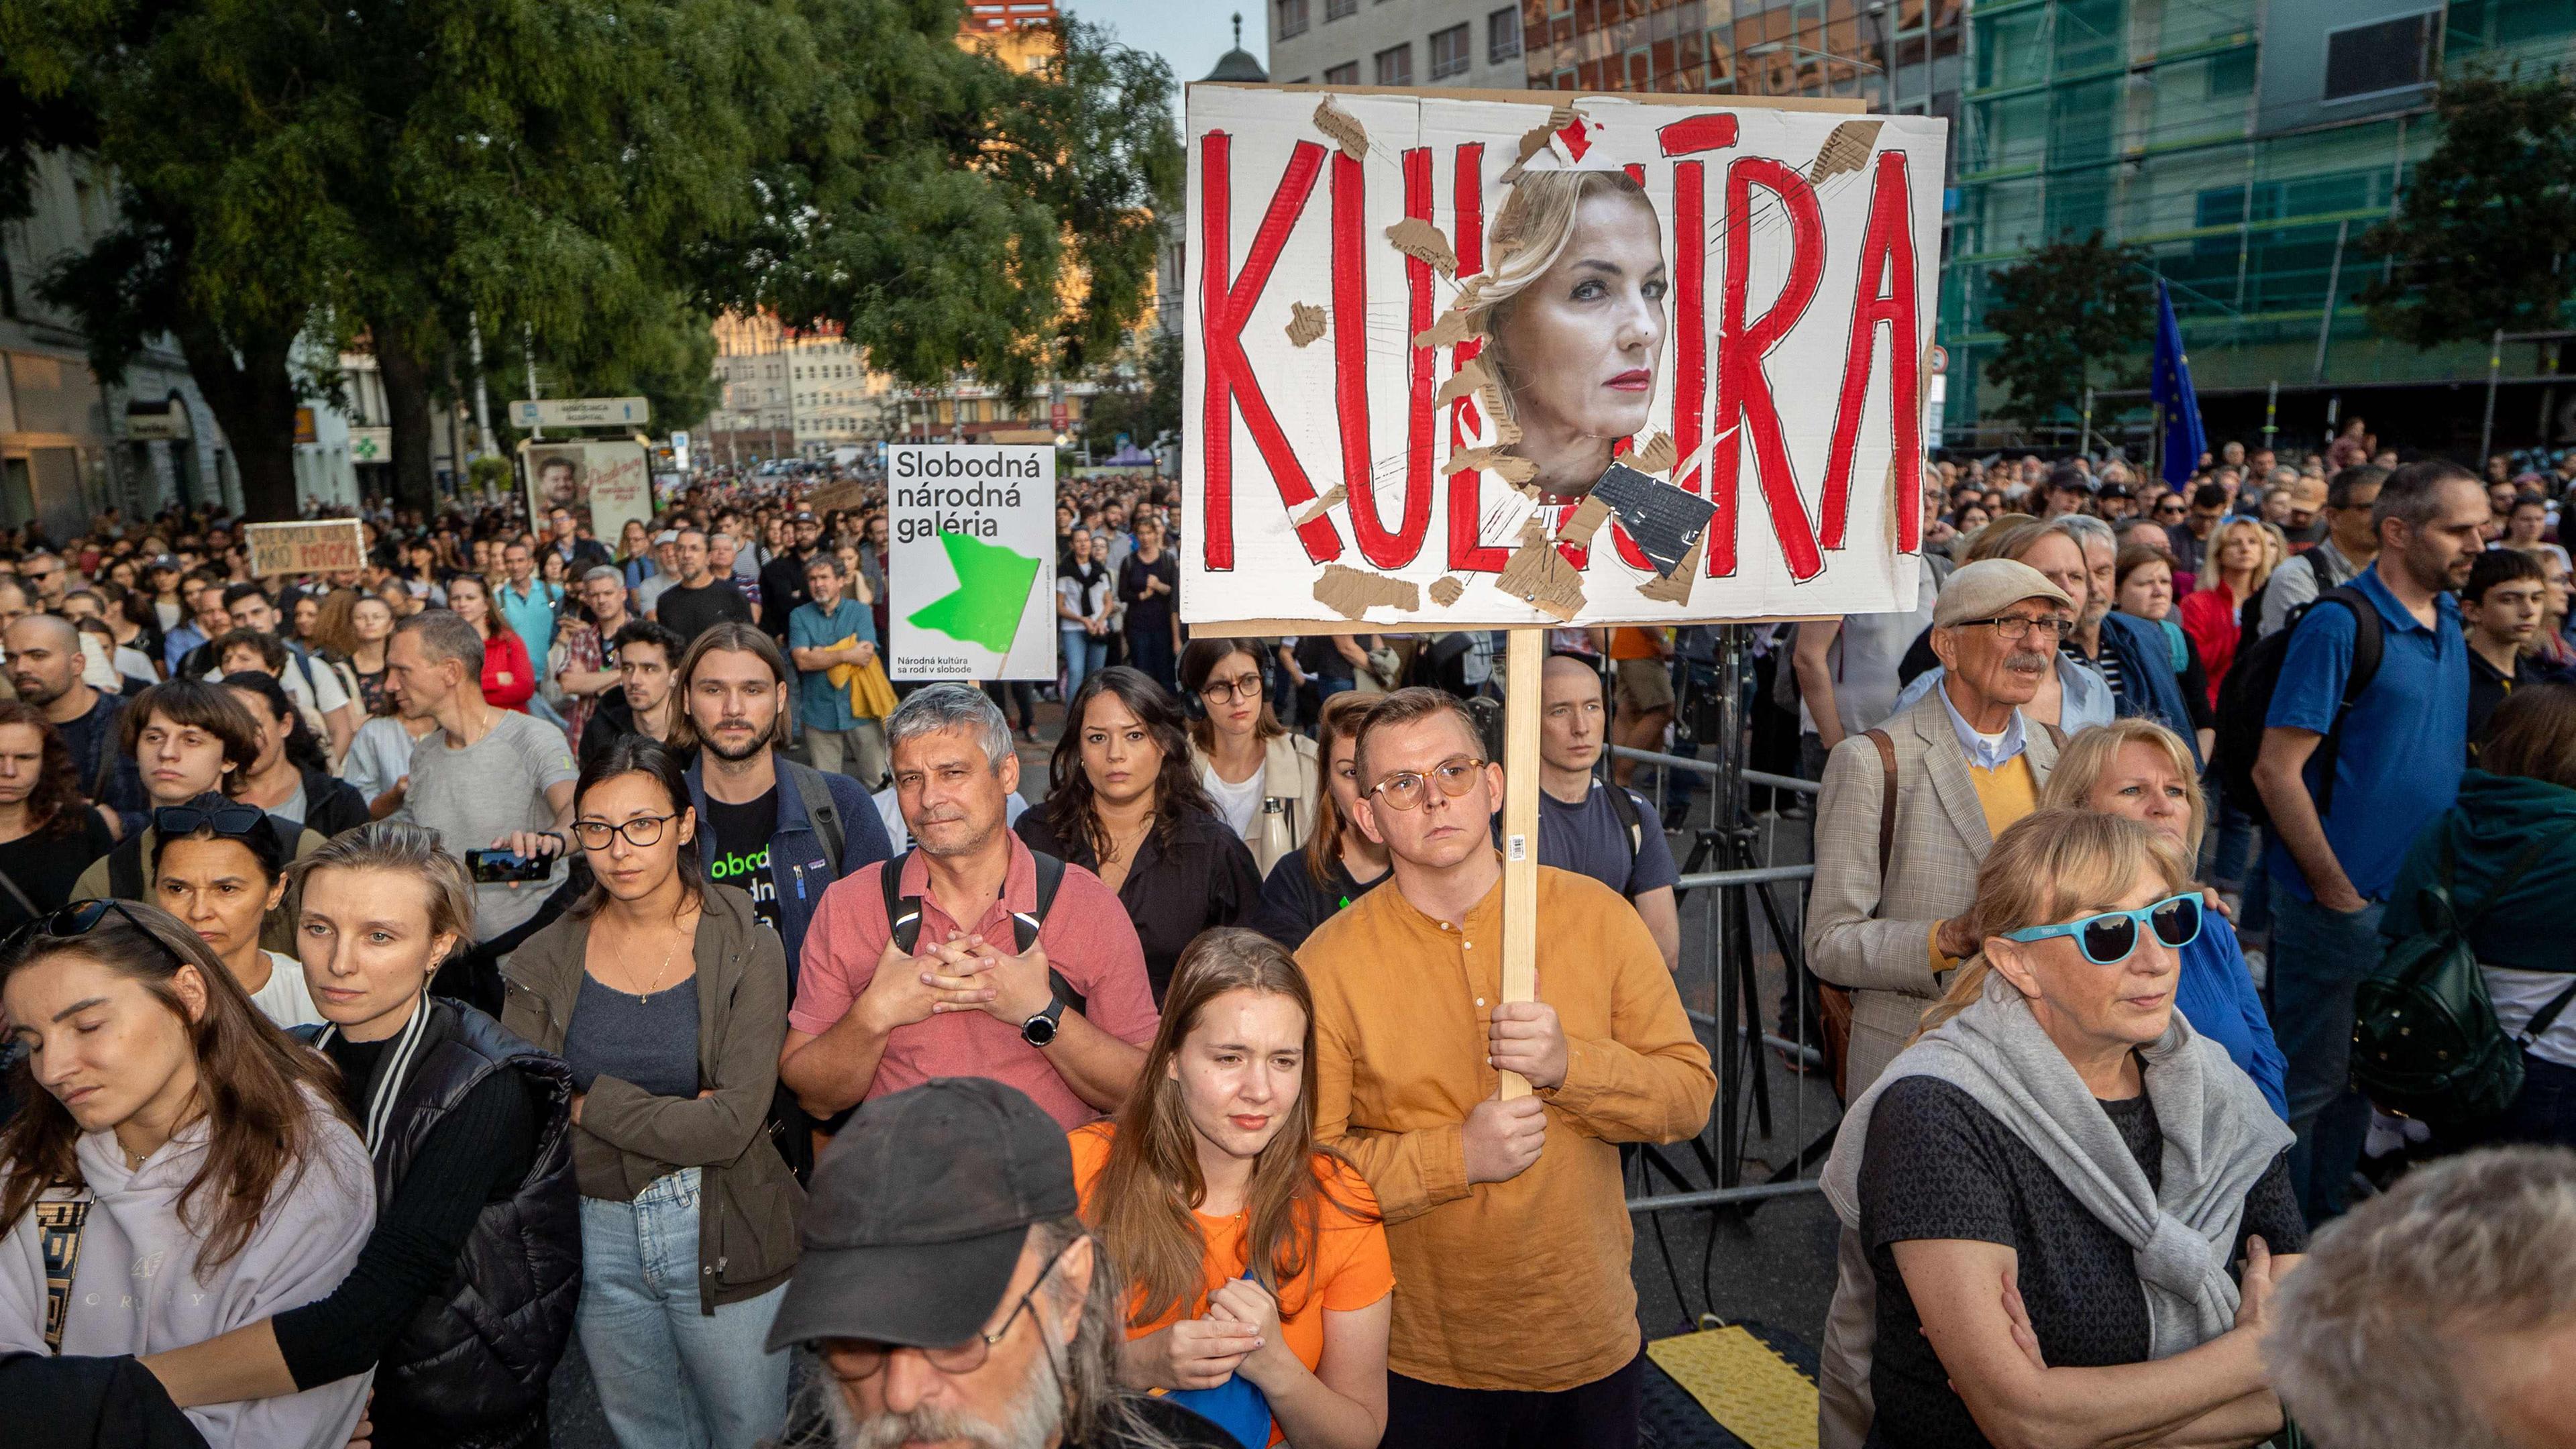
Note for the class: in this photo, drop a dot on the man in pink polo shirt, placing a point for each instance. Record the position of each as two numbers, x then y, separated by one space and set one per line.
869 1020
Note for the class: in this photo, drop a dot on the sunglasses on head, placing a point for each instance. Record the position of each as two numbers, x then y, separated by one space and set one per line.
2109 938
77 919
172 822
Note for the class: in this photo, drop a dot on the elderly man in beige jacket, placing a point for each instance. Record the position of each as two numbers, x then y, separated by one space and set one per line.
1910 808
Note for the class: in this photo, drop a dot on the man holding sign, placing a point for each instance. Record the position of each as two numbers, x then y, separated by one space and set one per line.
1500 1210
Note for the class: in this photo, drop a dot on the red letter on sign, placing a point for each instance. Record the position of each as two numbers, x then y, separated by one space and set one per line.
1467 188
1350 365
1743 389
1888 251
1690 285
1223 310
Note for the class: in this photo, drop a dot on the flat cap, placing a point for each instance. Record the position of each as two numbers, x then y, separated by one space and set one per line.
1988 587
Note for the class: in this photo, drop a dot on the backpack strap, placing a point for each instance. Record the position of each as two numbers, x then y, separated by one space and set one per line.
903 912
1624 806
58 1241
1886 802
2369 642
816 792
903 916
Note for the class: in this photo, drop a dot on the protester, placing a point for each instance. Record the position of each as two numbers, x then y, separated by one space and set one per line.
508 678
287 777
967 1304
2399 749
1257 775
2142 589
1127 806
1255 1257
2441 1312
1908 810
219 866
1339 863
2074 695
2050 1184
188 738
2240 565
1083 591
965 999
1846 671
780 831
2136 768
2500 614
2189 539
647 592
528 604
317 691
462 1298
784 580
1149 582
486 778
1605 831
1513 1206
2351 544
667 1001
371 630
647 656
205 1143
2519 800
834 644
45 669
48 834
698 599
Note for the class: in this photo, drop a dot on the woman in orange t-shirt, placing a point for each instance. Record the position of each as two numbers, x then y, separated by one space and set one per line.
1250 1251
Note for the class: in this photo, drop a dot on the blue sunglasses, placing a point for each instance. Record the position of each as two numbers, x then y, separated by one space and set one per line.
2107 939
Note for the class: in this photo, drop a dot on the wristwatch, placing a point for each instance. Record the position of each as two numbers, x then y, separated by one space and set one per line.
1040 1029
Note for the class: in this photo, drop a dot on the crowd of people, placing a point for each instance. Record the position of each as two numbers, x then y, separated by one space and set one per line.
529 939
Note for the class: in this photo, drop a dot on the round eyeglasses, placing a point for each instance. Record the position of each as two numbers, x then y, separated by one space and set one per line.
1227 691
1405 789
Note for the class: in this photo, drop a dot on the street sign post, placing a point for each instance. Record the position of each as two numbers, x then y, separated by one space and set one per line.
626 413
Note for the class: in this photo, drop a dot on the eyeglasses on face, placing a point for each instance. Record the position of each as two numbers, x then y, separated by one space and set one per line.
1404 790
640 832
2013 628
1227 691
2109 938
859 1358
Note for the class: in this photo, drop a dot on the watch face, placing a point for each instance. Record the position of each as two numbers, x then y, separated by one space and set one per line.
1038 1030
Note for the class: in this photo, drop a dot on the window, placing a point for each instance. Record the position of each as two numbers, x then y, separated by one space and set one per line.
2386 55
1289 17
1503 35
1340 10
1449 52
1345 74
1395 65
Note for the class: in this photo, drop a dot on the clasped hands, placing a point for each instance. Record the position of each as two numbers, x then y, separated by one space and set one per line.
1239 1334
962 973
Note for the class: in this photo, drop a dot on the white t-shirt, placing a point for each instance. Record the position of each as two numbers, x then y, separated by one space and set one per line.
2519 996
285 1000
1239 804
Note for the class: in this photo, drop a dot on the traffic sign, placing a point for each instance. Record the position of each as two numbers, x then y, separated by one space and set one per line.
1940 359
581 412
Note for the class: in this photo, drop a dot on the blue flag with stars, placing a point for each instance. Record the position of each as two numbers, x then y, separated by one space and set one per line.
2170 385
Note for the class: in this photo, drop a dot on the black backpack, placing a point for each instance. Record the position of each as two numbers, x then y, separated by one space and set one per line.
2245 701
903 916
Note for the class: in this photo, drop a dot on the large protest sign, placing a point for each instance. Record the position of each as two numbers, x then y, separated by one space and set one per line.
1602 359
321 546
971 562
601 483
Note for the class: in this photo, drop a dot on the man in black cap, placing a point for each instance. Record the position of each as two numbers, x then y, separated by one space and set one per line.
953 1295
782 581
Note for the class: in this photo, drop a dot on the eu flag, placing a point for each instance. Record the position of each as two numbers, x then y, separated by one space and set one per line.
2170 385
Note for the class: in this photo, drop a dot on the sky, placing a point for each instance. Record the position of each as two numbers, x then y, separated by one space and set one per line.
1188 34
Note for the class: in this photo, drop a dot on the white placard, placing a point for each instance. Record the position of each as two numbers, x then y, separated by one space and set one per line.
971 562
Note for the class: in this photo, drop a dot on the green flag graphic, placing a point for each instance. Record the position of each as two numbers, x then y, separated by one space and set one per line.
992 592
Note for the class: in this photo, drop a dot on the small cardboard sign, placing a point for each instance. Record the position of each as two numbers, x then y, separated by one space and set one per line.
324 545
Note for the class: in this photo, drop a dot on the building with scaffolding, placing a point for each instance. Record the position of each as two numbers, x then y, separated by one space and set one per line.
2247 147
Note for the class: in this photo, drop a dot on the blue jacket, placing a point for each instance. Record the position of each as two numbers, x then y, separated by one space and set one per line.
2216 994
2149 686
796 859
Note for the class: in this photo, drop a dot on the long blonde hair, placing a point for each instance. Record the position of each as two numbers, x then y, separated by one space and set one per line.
2039 869
1529 236
2268 557
2087 755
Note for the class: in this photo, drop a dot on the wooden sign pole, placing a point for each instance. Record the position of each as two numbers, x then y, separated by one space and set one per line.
1524 662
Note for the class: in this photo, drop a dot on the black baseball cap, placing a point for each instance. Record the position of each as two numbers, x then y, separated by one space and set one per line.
918 1213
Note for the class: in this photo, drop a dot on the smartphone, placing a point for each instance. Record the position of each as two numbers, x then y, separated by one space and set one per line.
499 867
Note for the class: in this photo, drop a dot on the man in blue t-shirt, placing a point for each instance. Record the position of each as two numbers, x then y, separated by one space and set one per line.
1580 825
2396 767
833 629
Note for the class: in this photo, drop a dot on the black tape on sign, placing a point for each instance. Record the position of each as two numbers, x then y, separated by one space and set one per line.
1664 520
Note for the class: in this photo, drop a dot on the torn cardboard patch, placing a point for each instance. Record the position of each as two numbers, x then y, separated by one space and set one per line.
1423 242
1332 499
1305 323
1675 587
1352 592
1538 575
1345 129
1847 149
1493 460
1470 377
1536 138
1655 457
1446 590
1583 522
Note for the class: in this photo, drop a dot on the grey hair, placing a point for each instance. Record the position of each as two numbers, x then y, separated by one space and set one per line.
2413 494
2372 1332
444 634
943 707
2084 528
596 572
403 849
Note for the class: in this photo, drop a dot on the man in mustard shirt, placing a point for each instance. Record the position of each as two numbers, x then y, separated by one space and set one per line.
1515 1318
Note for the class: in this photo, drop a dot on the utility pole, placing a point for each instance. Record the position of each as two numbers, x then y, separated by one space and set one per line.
528 350
482 405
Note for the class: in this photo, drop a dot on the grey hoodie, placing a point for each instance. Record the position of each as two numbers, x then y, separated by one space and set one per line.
137 1289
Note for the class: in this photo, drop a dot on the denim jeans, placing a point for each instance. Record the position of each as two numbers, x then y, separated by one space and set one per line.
2318 958
1085 654
2543 1112
669 1376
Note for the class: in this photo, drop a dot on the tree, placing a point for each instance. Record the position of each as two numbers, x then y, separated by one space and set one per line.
2072 314
2482 232
1143 398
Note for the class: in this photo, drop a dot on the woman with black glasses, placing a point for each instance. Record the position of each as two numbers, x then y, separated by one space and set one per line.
1259 776
462 1299
1128 806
